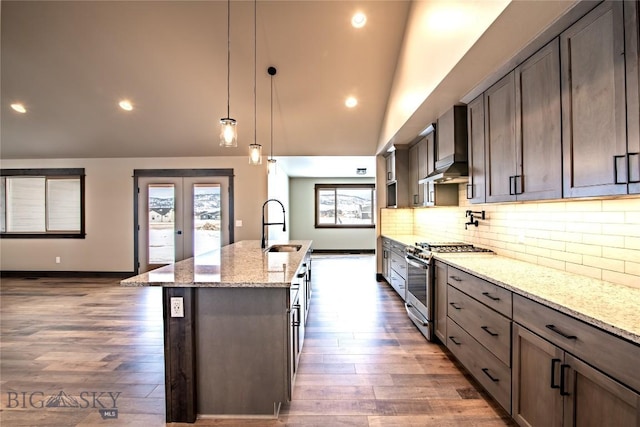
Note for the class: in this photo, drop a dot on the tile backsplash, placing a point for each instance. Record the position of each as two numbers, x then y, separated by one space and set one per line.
596 238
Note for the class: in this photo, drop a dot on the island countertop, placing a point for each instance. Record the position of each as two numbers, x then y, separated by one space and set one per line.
240 265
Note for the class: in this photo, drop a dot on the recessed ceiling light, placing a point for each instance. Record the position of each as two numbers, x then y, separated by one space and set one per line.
351 102
18 107
358 20
125 104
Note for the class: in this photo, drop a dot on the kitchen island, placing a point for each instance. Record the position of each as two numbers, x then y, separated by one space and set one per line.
231 328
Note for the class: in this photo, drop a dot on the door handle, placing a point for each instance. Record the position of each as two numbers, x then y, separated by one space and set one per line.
563 392
554 362
179 232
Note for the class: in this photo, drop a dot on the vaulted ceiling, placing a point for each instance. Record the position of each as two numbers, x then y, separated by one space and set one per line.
71 62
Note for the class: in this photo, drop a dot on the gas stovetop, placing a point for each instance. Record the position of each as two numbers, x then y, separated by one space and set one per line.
449 247
423 250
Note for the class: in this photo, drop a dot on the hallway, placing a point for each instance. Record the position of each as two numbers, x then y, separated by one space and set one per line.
363 361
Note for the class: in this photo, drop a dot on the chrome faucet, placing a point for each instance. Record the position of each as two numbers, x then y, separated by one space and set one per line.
263 245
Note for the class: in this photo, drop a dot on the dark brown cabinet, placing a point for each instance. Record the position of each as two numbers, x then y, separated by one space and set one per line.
523 151
567 373
538 167
397 165
475 127
593 104
418 169
632 62
553 388
440 278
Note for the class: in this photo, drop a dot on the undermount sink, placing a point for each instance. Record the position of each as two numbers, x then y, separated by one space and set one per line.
284 248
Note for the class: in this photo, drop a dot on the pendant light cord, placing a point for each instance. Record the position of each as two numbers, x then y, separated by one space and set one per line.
255 66
271 126
228 55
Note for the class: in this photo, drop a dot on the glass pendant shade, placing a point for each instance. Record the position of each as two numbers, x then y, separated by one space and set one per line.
272 168
255 154
228 132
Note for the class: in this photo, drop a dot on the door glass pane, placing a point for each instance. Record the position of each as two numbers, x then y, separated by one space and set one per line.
161 223
206 218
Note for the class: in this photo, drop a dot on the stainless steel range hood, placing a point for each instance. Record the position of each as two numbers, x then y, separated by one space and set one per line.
454 173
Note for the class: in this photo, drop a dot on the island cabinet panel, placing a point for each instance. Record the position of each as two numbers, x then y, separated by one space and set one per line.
242 337
593 104
179 356
475 127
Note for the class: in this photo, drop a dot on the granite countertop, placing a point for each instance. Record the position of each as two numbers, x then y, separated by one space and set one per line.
609 306
239 265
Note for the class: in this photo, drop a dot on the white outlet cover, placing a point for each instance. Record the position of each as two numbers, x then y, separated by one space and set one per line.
238 223
177 307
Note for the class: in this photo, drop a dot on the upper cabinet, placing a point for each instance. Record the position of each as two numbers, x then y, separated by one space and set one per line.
418 169
475 127
566 121
594 134
523 131
397 163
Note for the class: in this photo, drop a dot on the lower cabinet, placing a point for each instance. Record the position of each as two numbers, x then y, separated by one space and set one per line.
398 269
440 279
553 387
479 335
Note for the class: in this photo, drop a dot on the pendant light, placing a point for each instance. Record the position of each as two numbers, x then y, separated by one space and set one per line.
228 129
271 162
255 149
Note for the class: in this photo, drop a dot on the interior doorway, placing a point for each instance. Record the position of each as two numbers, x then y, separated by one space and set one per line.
180 214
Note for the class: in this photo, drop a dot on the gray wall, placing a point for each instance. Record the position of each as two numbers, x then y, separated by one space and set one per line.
302 205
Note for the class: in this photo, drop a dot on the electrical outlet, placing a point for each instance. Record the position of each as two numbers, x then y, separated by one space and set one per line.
57 260
177 308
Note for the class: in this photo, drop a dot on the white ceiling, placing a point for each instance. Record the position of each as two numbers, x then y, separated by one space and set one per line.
70 62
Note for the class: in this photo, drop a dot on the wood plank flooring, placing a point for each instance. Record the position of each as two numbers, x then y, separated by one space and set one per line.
71 342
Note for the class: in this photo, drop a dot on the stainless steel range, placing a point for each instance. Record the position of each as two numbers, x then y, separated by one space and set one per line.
419 298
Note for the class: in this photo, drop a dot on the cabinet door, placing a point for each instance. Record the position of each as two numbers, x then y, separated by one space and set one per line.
593 104
536 399
414 175
632 62
500 156
423 156
538 126
596 400
391 167
440 273
475 127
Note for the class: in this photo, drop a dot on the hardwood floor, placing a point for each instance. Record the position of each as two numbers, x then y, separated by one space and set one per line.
363 361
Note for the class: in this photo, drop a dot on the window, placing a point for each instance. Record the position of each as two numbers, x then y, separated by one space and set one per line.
344 205
42 203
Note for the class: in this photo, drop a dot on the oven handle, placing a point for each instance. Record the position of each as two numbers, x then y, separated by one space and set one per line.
415 315
417 264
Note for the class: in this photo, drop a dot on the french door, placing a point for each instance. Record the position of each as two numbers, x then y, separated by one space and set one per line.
180 217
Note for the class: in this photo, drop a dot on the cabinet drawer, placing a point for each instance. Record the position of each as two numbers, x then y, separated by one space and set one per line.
494 296
398 283
488 327
612 355
494 375
386 243
399 264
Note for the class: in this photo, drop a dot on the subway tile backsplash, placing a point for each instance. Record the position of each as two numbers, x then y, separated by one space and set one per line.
596 238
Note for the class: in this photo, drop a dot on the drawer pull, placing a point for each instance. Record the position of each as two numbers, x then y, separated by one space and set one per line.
554 362
559 332
488 295
453 340
563 392
453 304
486 372
486 329
456 278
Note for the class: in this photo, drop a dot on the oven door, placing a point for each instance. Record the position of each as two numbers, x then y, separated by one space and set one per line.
418 297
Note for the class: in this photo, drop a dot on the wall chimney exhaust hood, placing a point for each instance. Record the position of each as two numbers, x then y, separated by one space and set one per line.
451 165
